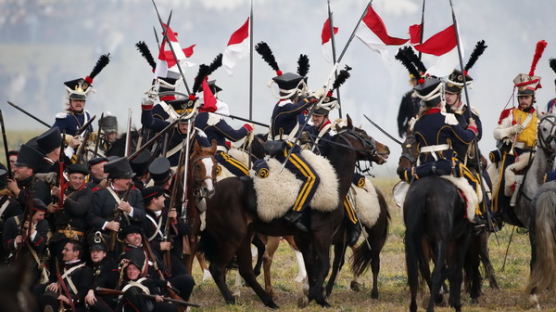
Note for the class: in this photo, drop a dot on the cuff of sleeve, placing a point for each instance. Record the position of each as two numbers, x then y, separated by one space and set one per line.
474 129
131 212
147 107
104 225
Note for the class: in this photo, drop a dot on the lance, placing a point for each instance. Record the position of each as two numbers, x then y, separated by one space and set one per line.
354 30
243 119
333 41
468 116
28 114
422 26
382 130
5 145
97 141
165 38
128 133
251 62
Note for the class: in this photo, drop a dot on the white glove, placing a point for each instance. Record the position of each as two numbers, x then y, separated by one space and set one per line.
147 102
517 129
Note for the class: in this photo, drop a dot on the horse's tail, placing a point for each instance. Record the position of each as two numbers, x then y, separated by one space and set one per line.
362 255
544 265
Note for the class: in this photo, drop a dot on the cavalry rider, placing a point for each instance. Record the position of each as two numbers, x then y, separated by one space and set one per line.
409 108
177 135
216 128
75 116
436 132
108 129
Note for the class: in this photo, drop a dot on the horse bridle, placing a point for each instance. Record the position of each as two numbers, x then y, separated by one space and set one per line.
198 191
545 142
369 144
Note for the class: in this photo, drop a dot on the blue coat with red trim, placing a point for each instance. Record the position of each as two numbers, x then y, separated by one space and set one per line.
70 122
436 128
285 116
218 129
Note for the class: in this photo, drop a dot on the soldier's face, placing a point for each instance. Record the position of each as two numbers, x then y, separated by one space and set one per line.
133 239
451 98
132 272
22 172
68 254
111 137
97 255
97 170
38 216
318 120
76 180
182 127
54 155
122 184
13 159
157 203
525 101
77 105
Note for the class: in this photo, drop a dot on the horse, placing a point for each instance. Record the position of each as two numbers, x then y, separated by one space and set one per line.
478 250
536 210
15 284
232 220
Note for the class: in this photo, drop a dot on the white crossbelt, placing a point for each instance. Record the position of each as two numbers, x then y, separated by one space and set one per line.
67 277
432 149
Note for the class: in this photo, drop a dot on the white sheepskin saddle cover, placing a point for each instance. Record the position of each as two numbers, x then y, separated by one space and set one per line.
276 193
366 202
239 155
472 199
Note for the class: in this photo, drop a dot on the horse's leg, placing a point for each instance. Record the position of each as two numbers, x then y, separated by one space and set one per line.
339 253
245 262
257 242
456 270
485 259
301 272
437 273
271 246
204 266
321 259
218 272
472 262
412 266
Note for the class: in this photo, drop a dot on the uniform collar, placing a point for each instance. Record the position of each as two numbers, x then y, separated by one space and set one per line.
434 110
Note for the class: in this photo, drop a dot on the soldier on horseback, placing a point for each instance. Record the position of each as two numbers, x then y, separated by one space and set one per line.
517 135
284 127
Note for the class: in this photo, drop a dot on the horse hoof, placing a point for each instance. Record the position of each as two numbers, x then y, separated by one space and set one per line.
232 300
474 300
324 304
355 286
300 278
374 294
271 305
302 302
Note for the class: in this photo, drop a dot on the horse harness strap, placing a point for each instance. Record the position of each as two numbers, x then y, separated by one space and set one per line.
67 277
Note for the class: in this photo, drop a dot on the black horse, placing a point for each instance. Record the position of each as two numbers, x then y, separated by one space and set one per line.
232 221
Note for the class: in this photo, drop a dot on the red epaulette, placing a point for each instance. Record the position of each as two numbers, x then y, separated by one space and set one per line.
505 113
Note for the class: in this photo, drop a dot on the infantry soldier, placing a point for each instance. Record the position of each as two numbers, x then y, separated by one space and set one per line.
29 161
97 176
9 207
105 275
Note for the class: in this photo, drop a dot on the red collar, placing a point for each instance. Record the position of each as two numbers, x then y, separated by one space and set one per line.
434 110
324 124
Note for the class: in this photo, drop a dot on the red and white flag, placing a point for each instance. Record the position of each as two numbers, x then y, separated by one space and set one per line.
237 48
374 34
209 101
326 37
443 47
166 60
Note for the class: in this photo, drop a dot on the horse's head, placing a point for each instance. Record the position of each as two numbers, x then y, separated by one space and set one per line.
409 152
202 169
367 147
546 134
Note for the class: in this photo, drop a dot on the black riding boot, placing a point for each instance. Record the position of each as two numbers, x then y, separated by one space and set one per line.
295 218
354 230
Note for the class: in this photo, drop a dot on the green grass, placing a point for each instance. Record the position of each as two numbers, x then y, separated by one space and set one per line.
394 293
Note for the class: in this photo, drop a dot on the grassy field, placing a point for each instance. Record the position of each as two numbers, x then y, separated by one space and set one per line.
394 293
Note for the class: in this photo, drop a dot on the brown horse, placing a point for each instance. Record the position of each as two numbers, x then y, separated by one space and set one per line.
232 220
201 180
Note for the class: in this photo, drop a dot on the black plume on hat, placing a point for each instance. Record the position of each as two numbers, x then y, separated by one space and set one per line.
478 51
101 63
203 72
406 62
216 63
410 54
343 75
264 50
146 53
303 65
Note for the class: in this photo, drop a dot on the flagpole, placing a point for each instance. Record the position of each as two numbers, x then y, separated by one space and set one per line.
422 26
354 30
331 26
165 31
251 62
468 117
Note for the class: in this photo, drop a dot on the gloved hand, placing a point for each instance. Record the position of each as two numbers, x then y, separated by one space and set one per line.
305 138
319 93
517 129
248 127
147 103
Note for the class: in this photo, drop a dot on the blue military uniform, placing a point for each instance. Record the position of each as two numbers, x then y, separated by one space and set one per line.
218 129
70 122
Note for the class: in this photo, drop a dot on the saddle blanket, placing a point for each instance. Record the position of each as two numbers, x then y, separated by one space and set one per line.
276 193
472 198
239 155
366 202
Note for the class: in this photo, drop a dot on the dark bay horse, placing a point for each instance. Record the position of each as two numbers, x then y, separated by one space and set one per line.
232 220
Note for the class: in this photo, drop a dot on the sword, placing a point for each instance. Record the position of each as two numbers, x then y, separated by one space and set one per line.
97 141
28 114
243 119
382 130
333 41
5 145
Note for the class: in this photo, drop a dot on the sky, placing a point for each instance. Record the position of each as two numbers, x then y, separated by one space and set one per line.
46 42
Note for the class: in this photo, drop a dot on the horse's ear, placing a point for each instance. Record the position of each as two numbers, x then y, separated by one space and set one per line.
196 146
350 123
213 146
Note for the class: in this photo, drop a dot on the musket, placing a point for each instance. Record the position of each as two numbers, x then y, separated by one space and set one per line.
84 132
128 133
99 134
165 38
29 114
61 168
243 119
64 287
333 41
85 126
116 292
118 218
353 32
185 197
27 218
5 139
468 116
382 130
422 26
